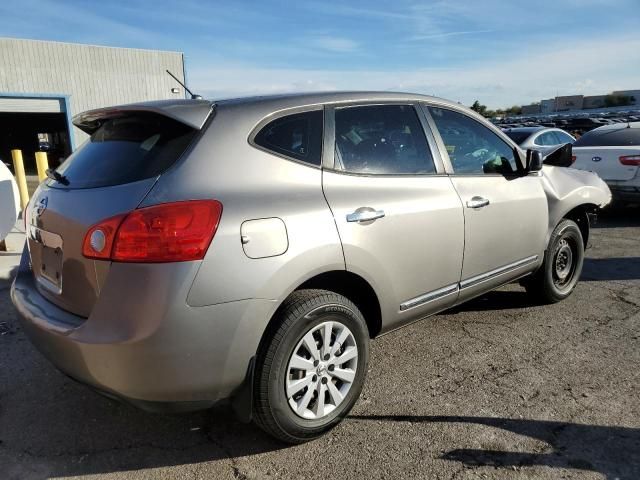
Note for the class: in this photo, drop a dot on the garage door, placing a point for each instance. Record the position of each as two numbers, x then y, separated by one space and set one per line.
31 105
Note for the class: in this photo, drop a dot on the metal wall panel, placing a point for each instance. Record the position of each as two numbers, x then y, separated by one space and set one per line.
31 105
93 76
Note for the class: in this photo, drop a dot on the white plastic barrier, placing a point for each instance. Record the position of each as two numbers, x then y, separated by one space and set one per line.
9 201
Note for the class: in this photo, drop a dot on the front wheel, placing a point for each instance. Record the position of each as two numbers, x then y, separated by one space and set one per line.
559 274
311 366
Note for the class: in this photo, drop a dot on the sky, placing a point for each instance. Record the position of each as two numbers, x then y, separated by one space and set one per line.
500 52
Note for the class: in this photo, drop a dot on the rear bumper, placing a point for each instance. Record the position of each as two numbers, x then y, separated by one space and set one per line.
142 342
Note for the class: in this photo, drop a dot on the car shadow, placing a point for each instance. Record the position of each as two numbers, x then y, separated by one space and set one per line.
618 217
7 277
51 426
103 436
611 451
494 300
616 268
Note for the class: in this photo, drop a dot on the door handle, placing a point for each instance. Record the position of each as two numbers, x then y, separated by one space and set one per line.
364 215
477 202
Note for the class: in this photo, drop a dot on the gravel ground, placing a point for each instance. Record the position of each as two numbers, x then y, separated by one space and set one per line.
498 388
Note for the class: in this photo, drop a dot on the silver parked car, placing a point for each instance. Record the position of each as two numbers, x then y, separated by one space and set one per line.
195 251
544 139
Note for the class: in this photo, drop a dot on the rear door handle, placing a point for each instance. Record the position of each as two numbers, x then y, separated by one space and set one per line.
477 202
364 215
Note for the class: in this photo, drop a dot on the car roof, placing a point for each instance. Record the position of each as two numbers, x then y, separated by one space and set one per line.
195 112
617 126
528 129
310 98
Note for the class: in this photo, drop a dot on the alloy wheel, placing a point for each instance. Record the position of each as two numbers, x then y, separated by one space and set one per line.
321 370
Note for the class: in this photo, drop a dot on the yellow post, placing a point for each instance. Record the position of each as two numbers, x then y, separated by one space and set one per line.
21 179
42 163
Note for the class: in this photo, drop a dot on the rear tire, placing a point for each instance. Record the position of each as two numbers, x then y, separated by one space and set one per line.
303 388
563 260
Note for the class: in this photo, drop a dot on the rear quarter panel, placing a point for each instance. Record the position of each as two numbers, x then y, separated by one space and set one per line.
252 184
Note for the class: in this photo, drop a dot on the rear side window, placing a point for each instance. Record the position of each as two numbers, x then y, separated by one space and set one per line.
547 139
298 136
618 137
564 137
127 149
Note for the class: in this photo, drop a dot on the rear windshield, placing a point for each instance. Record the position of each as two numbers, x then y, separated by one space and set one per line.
618 137
518 137
127 149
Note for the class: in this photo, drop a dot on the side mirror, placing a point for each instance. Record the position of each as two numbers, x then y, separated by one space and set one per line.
560 157
534 161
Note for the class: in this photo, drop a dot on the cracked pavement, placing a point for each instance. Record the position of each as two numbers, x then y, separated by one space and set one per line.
498 388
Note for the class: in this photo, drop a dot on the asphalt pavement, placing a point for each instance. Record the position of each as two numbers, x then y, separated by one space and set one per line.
498 388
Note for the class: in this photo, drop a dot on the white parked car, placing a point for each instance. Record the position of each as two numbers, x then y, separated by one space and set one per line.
9 201
613 152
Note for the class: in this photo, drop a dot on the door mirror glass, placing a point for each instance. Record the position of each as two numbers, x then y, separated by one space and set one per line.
534 160
560 157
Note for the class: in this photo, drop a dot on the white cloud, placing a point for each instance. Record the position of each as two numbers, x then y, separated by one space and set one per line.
448 34
335 44
593 67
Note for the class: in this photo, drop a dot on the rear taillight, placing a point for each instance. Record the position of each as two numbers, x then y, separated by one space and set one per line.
98 242
573 159
169 232
630 160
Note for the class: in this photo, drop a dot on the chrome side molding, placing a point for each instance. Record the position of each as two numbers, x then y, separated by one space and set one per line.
456 287
429 297
483 277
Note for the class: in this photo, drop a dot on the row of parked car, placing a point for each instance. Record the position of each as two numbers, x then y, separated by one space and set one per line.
578 123
612 151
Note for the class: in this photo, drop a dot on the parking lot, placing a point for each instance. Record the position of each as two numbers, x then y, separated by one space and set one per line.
498 388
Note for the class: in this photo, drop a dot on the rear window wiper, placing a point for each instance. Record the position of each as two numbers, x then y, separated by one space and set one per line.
58 177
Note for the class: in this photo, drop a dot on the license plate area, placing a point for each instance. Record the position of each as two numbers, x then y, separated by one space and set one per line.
51 267
46 258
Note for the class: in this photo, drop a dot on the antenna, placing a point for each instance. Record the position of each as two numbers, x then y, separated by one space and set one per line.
193 95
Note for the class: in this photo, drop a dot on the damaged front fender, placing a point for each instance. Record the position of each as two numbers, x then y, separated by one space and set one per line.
568 189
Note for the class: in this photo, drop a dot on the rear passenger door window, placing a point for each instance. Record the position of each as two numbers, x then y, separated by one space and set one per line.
547 139
297 136
382 140
564 137
473 149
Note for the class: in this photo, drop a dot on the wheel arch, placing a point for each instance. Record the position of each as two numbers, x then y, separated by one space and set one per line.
356 289
348 284
580 215
343 282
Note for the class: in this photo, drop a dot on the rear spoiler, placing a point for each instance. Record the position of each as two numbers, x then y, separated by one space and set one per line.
193 113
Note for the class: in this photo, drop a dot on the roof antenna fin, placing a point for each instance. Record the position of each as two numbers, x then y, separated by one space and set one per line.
193 95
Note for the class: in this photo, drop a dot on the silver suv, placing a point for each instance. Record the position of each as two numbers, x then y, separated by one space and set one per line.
193 251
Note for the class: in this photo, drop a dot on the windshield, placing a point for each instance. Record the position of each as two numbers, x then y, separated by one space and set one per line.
126 149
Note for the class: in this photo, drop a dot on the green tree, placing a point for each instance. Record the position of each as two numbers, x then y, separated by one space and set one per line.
514 110
478 107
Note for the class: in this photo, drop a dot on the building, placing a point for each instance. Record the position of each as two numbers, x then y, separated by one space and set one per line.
634 94
44 84
532 109
570 102
593 101
548 106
